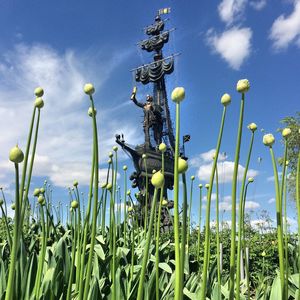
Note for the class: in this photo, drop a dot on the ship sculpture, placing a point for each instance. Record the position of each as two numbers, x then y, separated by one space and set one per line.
157 123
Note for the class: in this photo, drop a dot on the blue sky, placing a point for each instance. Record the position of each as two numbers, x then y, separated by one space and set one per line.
60 45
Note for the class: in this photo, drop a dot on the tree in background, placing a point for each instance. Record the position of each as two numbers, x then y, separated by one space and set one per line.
293 150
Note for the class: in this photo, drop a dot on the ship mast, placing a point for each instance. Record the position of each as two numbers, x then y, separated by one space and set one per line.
155 72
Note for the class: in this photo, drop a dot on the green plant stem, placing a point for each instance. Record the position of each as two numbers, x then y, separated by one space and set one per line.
104 202
158 232
241 219
189 215
13 258
218 234
298 212
178 283
233 199
244 242
279 223
9 239
184 227
199 225
140 294
94 218
207 220
38 279
74 240
146 198
125 207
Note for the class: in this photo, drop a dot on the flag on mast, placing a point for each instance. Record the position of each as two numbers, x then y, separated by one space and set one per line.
164 11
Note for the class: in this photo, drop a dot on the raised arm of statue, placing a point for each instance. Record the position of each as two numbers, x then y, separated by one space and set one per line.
133 98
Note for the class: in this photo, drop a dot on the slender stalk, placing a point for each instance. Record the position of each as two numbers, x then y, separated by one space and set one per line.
140 294
146 198
233 199
178 283
9 239
199 224
184 245
94 218
279 223
11 274
104 202
218 234
189 215
125 207
241 219
158 232
207 221
283 202
298 212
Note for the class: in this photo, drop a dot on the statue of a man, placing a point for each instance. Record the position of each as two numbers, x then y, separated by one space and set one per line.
152 118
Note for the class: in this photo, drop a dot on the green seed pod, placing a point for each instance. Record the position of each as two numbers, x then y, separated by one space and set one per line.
192 177
252 127
125 168
243 86
207 186
226 99
286 132
158 180
250 179
39 102
74 204
110 154
128 192
200 185
39 92
36 192
42 190
41 200
13 206
89 89
178 94
109 186
182 165
130 209
164 203
75 183
90 111
268 139
16 155
103 185
162 147
115 148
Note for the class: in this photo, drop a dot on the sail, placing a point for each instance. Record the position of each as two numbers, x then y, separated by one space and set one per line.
154 71
155 28
155 43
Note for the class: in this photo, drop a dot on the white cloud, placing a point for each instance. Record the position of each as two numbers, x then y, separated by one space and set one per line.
233 45
225 171
225 206
259 4
213 197
251 205
65 133
231 10
286 29
271 200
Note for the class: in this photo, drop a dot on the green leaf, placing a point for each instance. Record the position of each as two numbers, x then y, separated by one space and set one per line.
165 267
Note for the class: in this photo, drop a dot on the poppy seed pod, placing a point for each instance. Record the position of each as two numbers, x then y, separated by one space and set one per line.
109 186
39 102
41 200
115 148
182 165
125 168
103 185
39 92
192 177
268 139
178 94
158 180
13 206
243 86
250 179
128 192
16 155
207 186
226 99
200 185
75 183
89 89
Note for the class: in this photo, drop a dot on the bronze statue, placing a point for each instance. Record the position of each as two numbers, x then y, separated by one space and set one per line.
152 118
